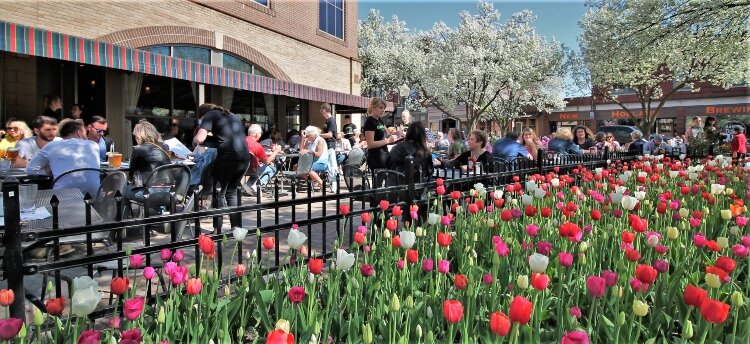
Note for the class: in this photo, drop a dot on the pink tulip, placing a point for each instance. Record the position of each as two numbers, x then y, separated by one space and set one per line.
575 337
745 240
367 270
699 240
178 256
532 230
132 308
166 254
400 264
575 312
661 249
596 286
741 221
638 286
89 337
114 322
9 328
544 248
445 220
661 265
137 261
169 267
610 278
427 265
695 223
179 275
444 266
740 250
487 278
565 259
149 272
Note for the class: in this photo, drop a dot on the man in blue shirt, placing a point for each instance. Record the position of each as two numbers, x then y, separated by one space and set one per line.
95 131
509 148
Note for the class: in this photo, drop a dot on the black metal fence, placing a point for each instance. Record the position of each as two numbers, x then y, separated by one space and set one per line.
317 223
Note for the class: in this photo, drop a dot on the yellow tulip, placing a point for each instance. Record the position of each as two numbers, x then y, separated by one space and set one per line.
713 281
726 214
640 308
523 281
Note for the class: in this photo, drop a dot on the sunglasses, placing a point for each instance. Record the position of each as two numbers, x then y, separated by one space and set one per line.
14 128
101 131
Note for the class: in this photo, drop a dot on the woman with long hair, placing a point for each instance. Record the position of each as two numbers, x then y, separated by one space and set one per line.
476 153
530 141
376 137
415 145
232 159
457 145
17 131
149 154
562 142
583 137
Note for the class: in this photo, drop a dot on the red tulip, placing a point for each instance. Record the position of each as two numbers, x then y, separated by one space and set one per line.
520 310
499 324
384 205
344 209
396 241
453 311
55 306
89 337
444 239
546 212
396 210
632 255
391 224
412 256
539 281
694 296
119 285
506 215
239 270
269 243
206 245
131 337
315 266
645 273
9 328
596 215
359 238
596 286
193 286
460 282
132 308
440 190
365 217
367 270
6 297
628 237
279 337
455 195
714 311
296 294
723 275
472 208
439 182
725 263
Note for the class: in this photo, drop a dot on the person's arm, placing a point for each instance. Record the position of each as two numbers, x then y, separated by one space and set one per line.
371 143
320 148
39 164
200 136
270 157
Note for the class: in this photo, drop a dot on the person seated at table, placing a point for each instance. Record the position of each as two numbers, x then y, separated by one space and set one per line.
414 145
583 137
263 163
508 148
476 153
17 131
457 145
636 146
276 138
610 143
45 131
293 138
316 145
530 141
562 142
343 146
149 154
74 151
96 131
441 143
657 146
600 140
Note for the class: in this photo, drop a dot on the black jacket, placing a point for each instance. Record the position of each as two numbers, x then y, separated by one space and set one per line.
422 162
146 158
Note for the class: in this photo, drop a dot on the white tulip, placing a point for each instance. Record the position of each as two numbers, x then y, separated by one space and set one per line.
239 233
538 262
555 182
615 197
344 260
499 192
599 170
629 202
717 189
296 239
620 189
639 195
84 282
407 239
433 218
673 174
479 187
84 301
539 193
530 185
526 199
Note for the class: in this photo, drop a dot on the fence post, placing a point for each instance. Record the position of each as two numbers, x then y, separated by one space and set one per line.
540 161
13 259
409 180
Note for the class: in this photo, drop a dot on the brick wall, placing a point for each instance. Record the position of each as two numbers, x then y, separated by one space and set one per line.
285 35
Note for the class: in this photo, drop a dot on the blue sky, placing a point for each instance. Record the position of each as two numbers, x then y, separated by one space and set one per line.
555 18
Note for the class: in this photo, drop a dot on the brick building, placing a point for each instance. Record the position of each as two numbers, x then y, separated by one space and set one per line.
730 106
270 61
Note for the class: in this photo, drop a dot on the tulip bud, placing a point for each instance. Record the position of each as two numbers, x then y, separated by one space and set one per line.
582 259
419 331
673 233
684 212
430 337
161 317
523 281
419 232
386 234
713 281
621 319
734 230
687 331
409 302
617 291
706 211
723 242
429 312
241 332
395 304
367 333
38 316
738 300
50 287
471 261
583 247
640 308
683 226
726 214
128 250
729 191
283 325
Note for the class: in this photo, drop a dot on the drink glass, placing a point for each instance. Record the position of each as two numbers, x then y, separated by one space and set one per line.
12 153
115 160
27 197
2 153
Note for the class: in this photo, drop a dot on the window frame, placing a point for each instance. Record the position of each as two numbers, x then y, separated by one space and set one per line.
323 4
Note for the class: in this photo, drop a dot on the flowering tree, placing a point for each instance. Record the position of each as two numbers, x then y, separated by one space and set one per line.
652 49
478 64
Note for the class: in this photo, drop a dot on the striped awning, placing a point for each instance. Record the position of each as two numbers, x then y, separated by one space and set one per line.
16 38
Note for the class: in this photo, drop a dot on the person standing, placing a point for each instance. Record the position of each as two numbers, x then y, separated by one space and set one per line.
375 135
694 135
45 131
95 131
76 111
232 159
348 129
329 127
53 107
739 143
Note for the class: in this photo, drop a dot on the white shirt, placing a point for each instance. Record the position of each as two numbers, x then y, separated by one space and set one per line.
28 147
67 155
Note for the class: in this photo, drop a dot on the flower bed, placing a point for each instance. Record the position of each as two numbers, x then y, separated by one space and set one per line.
651 251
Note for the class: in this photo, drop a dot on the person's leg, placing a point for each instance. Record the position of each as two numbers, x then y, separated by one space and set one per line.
223 172
231 191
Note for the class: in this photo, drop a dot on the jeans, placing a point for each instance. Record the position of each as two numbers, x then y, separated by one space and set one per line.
228 175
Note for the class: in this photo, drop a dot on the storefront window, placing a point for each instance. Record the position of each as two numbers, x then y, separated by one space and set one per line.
235 63
164 101
255 107
294 110
202 55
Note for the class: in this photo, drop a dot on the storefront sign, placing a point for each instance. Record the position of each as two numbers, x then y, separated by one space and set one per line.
625 114
727 110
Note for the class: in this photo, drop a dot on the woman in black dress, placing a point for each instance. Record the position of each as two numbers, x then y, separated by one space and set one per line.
233 158
375 135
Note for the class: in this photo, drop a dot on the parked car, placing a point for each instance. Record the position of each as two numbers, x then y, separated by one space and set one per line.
620 132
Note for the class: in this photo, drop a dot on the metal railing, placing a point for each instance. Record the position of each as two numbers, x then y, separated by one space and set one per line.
16 268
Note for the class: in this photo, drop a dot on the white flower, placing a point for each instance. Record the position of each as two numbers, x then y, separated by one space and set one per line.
673 174
296 239
526 199
539 193
344 260
499 192
639 195
407 239
615 197
433 218
530 185
620 189
538 262
85 300
717 189
692 176
555 182
239 233
599 170
479 187
84 282
629 202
